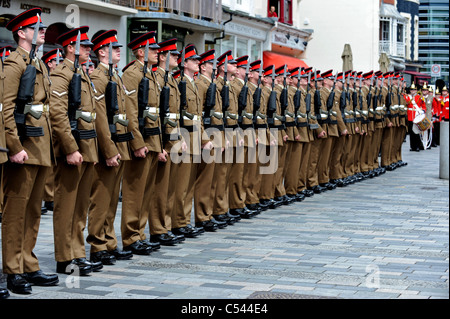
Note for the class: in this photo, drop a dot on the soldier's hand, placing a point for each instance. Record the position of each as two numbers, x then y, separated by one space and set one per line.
297 138
162 157
357 129
19 158
344 133
285 138
241 142
74 158
141 153
208 146
113 161
184 147
322 134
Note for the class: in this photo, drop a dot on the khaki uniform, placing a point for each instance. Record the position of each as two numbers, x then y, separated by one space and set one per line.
379 124
140 173
388 133
224 196
72 183
368 127
283 149
348 155
23 185
239 184
336 170
166 180
106 187
290 173
3 156
315 147
185 172
202 190
306 134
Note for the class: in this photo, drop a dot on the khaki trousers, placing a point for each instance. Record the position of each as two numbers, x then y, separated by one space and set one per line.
200 191
283 161
23 188
252 178
158 205
304 166
323 166
366 141
220 186
387 146
313 163
102 211
291 175
138 179
73 186
267 189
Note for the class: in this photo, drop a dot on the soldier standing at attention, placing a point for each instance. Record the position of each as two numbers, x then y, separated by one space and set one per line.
113 142
186 171
142 101
72 110
51 60
169 111
28 137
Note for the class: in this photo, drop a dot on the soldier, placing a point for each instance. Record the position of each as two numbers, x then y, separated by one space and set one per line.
169 111
444 103
403 120
340 129
222 201
113 138
312 181
436 118
269 94
28 137
75 139
291 174
3 151
142 101
284 146
427 105
262 135
243 168
367 123
413 101
203 191
185 170
51 60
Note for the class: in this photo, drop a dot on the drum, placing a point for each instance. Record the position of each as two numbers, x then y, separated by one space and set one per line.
422 123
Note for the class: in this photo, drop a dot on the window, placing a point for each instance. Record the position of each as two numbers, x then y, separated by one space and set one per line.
400 33
385 30
283 8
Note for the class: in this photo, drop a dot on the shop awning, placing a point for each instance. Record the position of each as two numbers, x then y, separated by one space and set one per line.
278 60
418 74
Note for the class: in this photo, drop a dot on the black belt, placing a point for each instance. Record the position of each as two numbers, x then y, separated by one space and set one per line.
147 132
278 127
290 124
402 116
232 126
349 120
259 126
190 128
246 126
334 122
359 119
218 127
302 124
379 120
122 138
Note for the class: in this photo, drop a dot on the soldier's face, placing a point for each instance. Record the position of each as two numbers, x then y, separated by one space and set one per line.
28 34
192 65
232 69
85 50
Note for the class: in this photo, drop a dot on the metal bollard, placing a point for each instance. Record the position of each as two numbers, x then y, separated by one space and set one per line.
444 150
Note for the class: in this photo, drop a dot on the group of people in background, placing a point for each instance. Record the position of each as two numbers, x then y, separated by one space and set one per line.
190 143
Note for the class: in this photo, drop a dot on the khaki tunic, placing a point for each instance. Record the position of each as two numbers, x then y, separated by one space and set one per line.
3 156
23 185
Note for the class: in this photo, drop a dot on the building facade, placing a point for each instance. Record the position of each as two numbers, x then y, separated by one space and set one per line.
434 38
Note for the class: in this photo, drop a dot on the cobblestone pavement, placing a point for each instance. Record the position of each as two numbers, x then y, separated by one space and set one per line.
382 238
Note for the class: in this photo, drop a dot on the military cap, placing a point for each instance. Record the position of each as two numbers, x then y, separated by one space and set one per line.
176 74
207 56
268 71
368 75
413 87
142 41
340 77
26 19
280 70
242 61
328 75
190 52
294 72
71 37
105 39
169 45
316 76
52 55
378 74
255 65
228 56
425 87
444 89
7 49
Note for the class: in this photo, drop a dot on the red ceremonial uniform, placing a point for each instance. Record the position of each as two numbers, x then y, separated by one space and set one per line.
444 108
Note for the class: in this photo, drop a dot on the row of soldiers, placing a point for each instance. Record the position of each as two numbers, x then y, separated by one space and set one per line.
189 155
